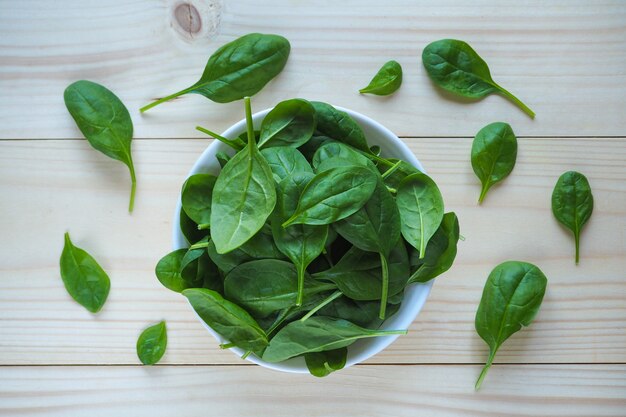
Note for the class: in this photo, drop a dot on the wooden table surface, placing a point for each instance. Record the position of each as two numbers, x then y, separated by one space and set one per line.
565 59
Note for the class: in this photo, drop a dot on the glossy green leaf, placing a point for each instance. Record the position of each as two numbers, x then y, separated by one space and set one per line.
228 319
440 251
265 286
375 227
291 123
386 81
340 126
197 269
336 154
321 364
189 228
104 120
333 195
285 161
511 299
84 279
168 271
152 343
317 334
196 198
222 158
301 243
454 66
572 203
421 209
394 178
494 151
239 69
361 313
243 197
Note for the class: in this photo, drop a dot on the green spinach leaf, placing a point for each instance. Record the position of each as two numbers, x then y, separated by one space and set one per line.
511 299
265 286
440 251
189 228
375 227
238 69
321 364
222 158
228 319
301 243
285 161
84 279
196 198
454 66
386 81
572 203
494 151
340 126
168 271
151 344
333 195
243 197
317 334
421 210
290 123
104 120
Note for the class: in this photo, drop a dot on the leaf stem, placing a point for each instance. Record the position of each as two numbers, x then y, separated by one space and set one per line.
166 98
483 192
227 345
321 305
483 373
391 170
385 287
232 143
249 123
374 157
199 245
577 242
133 187
204 226
517 101
300 285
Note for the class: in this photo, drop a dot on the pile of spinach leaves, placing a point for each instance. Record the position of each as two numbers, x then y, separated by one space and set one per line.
307 239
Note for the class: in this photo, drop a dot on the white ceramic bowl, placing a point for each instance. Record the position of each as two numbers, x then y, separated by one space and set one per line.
415 295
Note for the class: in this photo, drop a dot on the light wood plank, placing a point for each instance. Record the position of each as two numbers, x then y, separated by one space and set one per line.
437 391
48 187
564 58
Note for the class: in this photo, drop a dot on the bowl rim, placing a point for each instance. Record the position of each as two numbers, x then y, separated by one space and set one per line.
415 295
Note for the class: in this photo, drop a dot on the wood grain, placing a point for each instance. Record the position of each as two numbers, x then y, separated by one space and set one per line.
48 187
564 58
434 391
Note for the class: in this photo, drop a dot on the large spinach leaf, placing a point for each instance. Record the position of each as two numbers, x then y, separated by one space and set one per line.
511 299
290 123
317 334
572 203
340 126
454 66
285 161
238 69
243 197
333 195
104 120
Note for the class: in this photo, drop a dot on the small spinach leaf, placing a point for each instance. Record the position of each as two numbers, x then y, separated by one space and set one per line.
333 195
83 277
151 344
386 81
222 158
572 203
285 161
511 299
168 271
238 69
454 66
494 151
228 319
317 334
290 123
104 120
421 209
440 251
321 364
243 197
340 126
196 198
